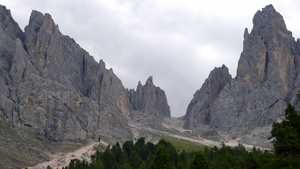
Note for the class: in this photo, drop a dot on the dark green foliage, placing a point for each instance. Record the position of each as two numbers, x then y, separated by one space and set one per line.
287 133
128 147
286 136
251 161
117 151
108 158
165 155
151 147
99 164
199 161
135 160
77 164
48 167
183 158
142 149
171 150
162 159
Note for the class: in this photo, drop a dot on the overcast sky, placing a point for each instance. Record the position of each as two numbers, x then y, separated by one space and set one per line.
176 42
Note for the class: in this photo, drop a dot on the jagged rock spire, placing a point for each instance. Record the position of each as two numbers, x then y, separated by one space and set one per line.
150 99
149 81
268 56
9 25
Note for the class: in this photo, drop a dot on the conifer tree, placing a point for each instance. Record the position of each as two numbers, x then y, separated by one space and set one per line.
161 159
286 136
199 161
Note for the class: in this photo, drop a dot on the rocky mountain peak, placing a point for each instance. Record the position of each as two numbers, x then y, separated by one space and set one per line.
149 99
268 52
150 81
268 19
217 79
39 21
8 24
102 64
207 94
139 84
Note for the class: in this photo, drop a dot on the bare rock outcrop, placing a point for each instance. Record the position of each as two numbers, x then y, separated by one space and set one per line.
267 79
199 108
150 100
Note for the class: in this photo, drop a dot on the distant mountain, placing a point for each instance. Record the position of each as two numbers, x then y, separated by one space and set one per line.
53 89
151 100
268 77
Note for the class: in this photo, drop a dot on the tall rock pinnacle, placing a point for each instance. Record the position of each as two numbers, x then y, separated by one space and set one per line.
268 54
149 99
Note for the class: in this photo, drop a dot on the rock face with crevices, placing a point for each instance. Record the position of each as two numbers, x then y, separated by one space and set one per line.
53 88
267 79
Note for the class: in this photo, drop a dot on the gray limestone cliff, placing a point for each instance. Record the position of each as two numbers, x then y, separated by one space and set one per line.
204 97
150 100
53 88
267 79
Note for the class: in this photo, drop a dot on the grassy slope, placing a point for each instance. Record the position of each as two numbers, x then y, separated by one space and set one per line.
19 149
181 145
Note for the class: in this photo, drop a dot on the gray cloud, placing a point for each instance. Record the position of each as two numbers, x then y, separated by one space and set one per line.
176 42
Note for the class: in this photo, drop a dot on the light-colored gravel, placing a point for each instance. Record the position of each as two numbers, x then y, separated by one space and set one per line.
60 160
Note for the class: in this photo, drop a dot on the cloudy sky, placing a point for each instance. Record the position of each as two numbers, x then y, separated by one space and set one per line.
176 42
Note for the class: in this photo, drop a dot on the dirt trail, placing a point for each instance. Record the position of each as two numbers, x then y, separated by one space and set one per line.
60 160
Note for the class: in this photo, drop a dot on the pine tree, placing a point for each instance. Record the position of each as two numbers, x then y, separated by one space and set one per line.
286 136
99 165
199 161
161 159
